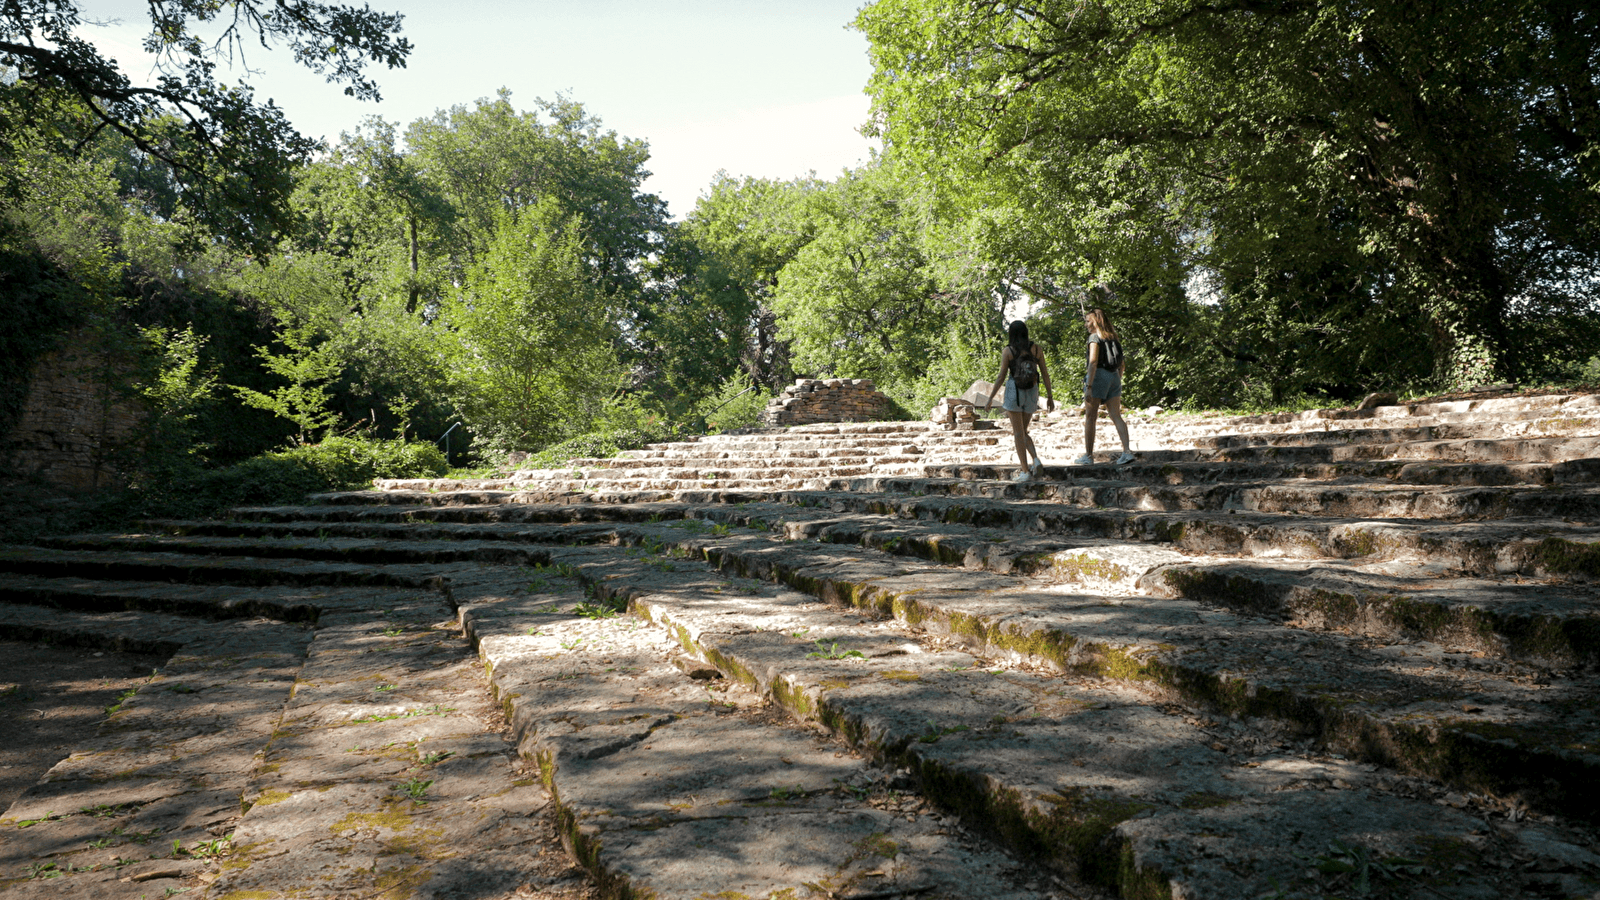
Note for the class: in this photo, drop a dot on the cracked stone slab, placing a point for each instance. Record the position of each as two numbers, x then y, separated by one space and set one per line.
1087 775
668 787
132 810
384 777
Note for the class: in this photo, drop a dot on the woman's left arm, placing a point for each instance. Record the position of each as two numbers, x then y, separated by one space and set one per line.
1044 375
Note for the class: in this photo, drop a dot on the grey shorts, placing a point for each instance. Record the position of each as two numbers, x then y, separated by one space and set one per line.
1107 385
1021 401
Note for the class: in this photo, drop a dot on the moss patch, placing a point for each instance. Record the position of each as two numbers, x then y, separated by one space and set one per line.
1562 557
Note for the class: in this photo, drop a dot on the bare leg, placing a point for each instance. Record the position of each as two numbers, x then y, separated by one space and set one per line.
1091 408
1114 409
1020 436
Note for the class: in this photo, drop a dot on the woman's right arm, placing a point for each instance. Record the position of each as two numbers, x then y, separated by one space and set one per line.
999 378
1094 366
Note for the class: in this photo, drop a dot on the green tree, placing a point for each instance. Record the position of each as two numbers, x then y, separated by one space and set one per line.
531 356
859 299
489 159
230 157
711 314
1336 160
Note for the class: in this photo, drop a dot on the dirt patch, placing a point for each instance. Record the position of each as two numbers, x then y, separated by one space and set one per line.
51 700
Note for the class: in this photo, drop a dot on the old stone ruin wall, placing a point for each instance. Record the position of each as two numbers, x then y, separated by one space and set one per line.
812 400
74 421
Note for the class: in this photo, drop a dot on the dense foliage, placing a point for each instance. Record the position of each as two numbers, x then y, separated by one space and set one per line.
1359 201
1276 201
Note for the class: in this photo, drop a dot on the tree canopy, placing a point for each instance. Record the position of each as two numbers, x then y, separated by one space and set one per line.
1338 161
230 158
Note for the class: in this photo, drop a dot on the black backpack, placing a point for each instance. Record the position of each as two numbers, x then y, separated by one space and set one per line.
1111 355
1025 370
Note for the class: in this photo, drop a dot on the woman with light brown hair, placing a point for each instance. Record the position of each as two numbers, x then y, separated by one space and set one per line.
1103 384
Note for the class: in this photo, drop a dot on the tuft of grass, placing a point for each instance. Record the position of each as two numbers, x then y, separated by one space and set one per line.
832 651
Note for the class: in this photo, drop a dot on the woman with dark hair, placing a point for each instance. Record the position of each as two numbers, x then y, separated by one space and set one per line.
1103 384
1022 367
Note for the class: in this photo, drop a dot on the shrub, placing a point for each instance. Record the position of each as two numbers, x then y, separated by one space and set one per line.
595 445
287 476
738 403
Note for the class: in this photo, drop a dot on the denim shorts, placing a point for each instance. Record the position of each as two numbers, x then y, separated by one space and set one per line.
1021 401
1107 385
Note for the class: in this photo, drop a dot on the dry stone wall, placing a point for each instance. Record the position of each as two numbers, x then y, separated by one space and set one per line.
74 420
812 400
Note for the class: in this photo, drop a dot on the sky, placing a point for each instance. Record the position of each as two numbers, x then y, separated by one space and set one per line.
766 89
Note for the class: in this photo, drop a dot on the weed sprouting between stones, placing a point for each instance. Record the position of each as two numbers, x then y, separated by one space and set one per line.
827 651
122 698
415 788
595 611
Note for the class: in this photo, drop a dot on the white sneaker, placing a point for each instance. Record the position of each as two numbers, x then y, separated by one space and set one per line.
1125 458
1038 467
1084 460
1022 475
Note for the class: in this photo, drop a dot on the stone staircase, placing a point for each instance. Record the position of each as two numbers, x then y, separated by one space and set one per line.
1339 653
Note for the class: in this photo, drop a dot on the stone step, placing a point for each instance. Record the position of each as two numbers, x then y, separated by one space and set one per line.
1092 777
146 808
130 631
673 787
387 775
1587 427
1000 535
208 601
1401 582
1484 725
1366 500
319 547
1392 471
188 568
1194 667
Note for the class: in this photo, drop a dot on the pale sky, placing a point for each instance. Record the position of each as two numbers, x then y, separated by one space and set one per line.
769 89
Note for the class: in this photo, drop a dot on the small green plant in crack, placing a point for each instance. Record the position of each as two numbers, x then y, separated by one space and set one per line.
832 651
856 791
384 687
44 870
182 689
662 565
934 732
721 530
99 810
1354 869
437 756
394 631
415 788
788 793
135 837
100 843
595 611
122 698
211 849
799 634
572 644
533 631
548 609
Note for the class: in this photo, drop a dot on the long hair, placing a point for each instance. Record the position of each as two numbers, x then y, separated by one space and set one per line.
1101 323
1017 337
